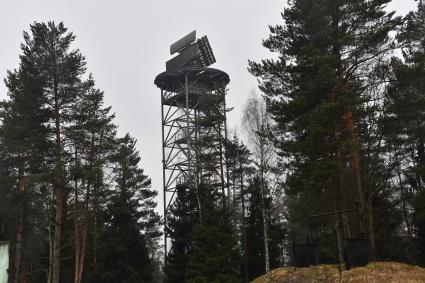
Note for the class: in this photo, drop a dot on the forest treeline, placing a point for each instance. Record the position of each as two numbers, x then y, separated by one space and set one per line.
346 96
75 205
339 126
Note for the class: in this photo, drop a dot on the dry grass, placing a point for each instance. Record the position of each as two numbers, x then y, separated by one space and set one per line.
382 272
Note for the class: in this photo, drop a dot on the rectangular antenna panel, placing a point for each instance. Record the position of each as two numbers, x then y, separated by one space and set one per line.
185 58
183 42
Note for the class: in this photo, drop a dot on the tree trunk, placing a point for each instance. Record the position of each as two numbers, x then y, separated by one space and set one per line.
245 243
366 215
338 194
58 233
49 229
19 221
349 125
370 227
339 239
76 227
265 226
85 227
341 202
421 157
95 239
404 203
58 189
83 239
338 198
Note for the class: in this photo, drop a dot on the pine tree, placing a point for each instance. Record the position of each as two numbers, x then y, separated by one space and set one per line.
314 92
93 142
60 70
57 148
24 143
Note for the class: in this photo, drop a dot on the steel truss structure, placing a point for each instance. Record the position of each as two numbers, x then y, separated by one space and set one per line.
193 131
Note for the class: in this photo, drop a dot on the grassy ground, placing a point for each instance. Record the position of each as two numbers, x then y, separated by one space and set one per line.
382 272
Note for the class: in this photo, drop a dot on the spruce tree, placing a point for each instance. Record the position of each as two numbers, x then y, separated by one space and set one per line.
256 254
123 251
214 256
244 171
181 221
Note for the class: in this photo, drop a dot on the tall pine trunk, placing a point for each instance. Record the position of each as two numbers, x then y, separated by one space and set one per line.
83 238
76 230
49 231
85 227
338 193
366 213
352 135
58 189
58 231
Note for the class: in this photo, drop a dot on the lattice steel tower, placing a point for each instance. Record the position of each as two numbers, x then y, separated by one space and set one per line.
193 110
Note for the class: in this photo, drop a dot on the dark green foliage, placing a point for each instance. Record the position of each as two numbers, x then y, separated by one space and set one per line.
326 53
23 139
403 127
255 234
255 237
123 251
59 70
58 138
392 245
214 256
181 221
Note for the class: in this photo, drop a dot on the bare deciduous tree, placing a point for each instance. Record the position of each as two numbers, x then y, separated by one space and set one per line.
256 122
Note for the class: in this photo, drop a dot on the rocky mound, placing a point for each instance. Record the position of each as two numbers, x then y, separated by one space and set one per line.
374 272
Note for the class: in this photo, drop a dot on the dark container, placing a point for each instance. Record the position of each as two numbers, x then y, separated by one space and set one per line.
356 252
306 255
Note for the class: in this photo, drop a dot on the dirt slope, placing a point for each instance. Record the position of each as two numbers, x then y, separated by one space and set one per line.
382 272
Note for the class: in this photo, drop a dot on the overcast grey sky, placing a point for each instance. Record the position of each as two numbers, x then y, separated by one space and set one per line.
126 44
